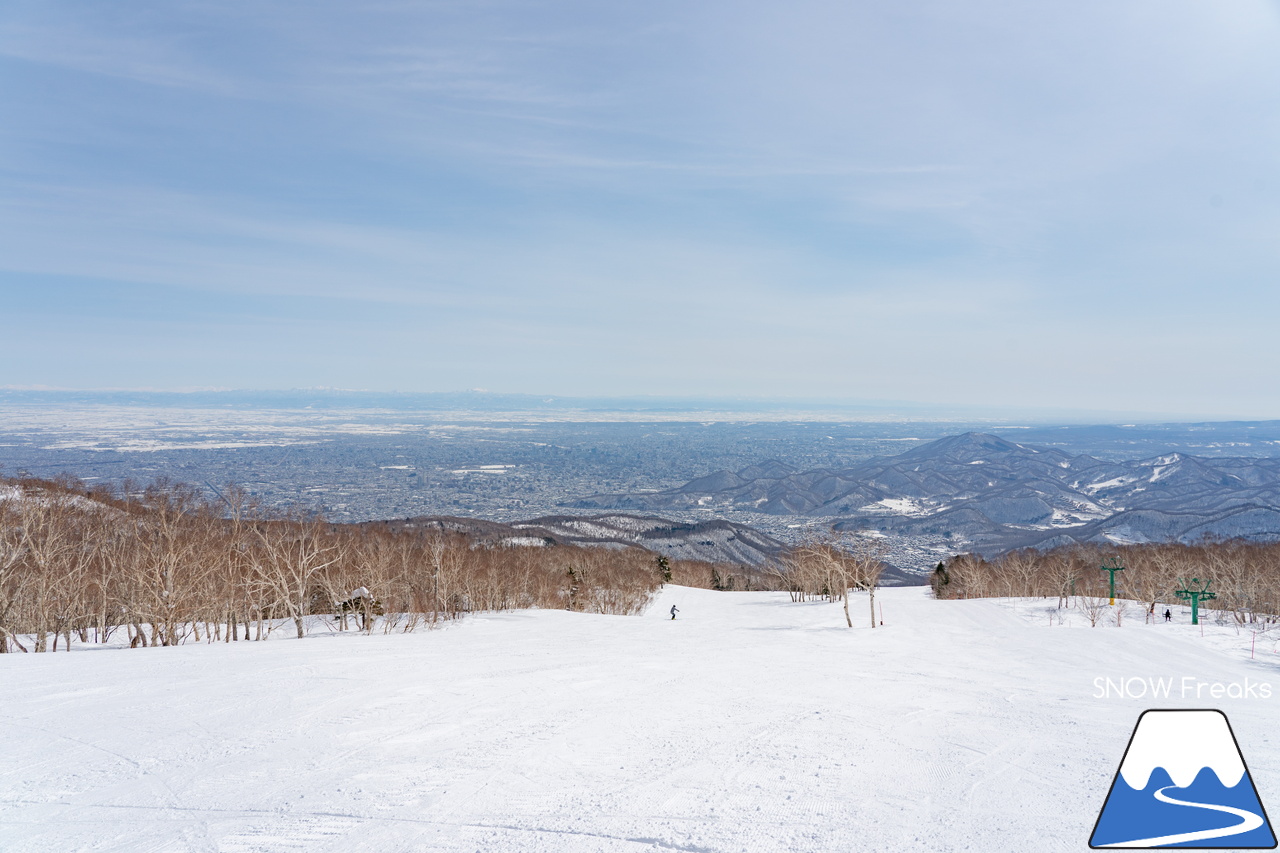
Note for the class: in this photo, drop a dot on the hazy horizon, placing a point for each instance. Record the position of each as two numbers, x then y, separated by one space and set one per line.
515 404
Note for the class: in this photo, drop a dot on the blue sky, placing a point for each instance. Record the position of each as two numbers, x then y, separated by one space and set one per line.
990 203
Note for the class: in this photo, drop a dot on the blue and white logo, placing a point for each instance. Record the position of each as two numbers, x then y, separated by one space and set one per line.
1183 783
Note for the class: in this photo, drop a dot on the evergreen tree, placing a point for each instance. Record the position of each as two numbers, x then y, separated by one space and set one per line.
941 578
664 569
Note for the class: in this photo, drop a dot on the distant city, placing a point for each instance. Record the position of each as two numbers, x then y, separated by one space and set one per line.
356 458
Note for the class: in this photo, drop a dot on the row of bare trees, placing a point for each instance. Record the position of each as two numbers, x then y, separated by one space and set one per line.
165 565
1244 575
829 566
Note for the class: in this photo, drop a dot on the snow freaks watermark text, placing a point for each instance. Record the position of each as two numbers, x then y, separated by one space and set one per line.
1186 687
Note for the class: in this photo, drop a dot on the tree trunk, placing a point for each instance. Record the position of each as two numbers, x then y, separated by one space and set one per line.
5 636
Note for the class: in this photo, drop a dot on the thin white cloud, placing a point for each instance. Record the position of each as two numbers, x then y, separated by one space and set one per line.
134 58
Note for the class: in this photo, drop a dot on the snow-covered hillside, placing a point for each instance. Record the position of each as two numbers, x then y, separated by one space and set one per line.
748 724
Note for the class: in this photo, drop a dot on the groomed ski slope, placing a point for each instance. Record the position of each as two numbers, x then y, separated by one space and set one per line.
749 724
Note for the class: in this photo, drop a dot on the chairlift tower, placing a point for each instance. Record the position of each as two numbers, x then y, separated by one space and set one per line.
1195 591
1112 565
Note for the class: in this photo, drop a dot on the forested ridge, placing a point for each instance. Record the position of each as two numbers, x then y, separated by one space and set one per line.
166 564
1243 576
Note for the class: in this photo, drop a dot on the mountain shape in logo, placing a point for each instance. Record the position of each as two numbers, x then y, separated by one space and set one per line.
1183 783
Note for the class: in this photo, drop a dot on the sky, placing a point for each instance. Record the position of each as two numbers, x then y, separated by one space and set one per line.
994 203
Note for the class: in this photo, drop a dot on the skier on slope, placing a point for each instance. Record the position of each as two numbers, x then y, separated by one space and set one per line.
674 611
1168 614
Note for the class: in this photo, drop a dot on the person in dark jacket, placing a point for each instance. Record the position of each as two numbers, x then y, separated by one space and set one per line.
1168 614
674 611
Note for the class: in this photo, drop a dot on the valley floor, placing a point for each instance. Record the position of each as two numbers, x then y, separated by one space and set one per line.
748 724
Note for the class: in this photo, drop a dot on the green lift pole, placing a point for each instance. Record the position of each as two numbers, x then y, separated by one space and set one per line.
1195 591
1112 565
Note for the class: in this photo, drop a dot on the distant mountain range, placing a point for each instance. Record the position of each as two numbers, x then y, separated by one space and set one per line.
986 493
714 541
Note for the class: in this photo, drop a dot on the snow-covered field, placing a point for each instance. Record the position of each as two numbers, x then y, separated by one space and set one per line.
749 724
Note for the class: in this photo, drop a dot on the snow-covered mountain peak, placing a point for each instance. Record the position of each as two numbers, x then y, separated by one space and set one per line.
1183 743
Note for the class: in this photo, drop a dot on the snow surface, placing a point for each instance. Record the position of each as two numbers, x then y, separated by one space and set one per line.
750 723
525 541
1115 482
900 506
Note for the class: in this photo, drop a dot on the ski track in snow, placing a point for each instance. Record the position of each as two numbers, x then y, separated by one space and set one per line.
1248 822
750 724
